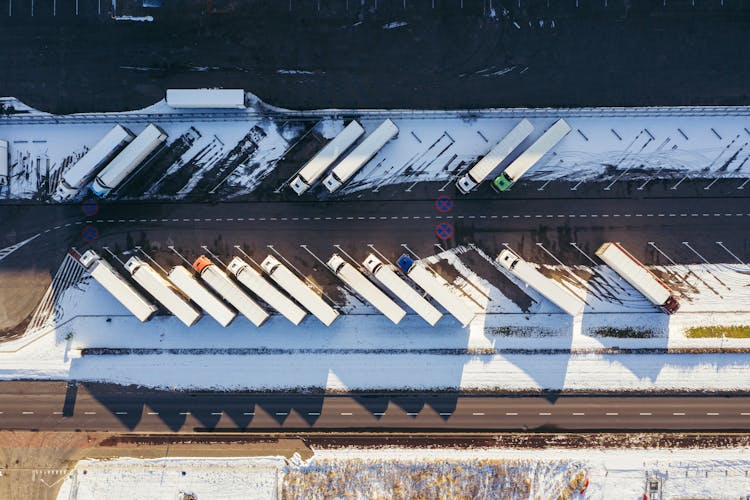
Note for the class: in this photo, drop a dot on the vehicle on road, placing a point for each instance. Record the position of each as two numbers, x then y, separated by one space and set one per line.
128 160
206 98
192 288
256 283
547 287
162 290
77 176
362 154
326 157
401 289
438 288
106 275
295 287
484 167
531 156
364 287
229 290
635 273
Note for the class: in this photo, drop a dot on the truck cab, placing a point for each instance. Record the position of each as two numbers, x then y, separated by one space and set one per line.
405 263
465 184
502 183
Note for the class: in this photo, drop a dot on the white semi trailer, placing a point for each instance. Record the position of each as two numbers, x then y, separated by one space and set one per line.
436 286
206 98
495 157
531 156
192 288
115 284
256 283
4 171
550 289
163 291
228 289
326 157
364 287
363 153
401 289
88 165
128 160
295 287
635 273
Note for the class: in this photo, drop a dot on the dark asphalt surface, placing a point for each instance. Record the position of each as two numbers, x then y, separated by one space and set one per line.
97 407
316 54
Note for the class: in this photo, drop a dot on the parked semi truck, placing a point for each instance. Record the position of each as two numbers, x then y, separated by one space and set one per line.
89 164
295 287
4 170
162 290
401 289
635 273
364 287
531 156
547 287
362 154
192 288
256 283
114 283
326 157
229 291
495 157
436 286
128 160
206 98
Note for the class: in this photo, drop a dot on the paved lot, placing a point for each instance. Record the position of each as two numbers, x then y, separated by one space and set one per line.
309 53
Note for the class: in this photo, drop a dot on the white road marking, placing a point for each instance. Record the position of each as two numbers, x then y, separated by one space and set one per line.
89 413
346 414
612 414
578 414
511 414
27 412
645 414
478 414
544 414
678 413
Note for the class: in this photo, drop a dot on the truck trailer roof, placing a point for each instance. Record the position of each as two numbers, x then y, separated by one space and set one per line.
364 287
206 98
162 290
87 166
362 154
548 288
326 157
256 283
106 275
295 287
128 160
635 273
192 288
401 289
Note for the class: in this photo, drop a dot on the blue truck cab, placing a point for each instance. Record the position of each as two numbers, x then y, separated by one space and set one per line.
405 262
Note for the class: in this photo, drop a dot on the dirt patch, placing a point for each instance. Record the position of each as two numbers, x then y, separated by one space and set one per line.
34 464
19 295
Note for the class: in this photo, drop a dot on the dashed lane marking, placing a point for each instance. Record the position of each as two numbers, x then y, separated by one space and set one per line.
27 412
478 414
678 414
544 414
645 414
511 413
346 414
612 414
578 414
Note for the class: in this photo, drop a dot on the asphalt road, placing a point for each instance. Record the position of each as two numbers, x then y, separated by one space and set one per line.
389 224
57 406
337 53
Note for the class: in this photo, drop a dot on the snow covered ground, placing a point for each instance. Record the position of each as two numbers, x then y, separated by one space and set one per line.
607 144
133 479
505 348
442 472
